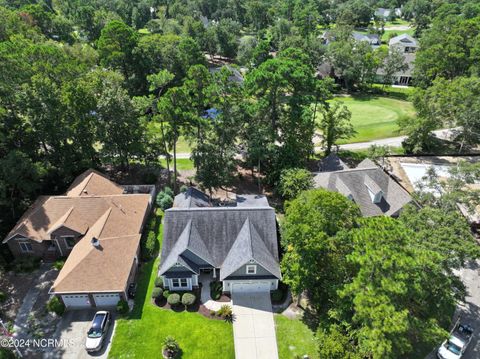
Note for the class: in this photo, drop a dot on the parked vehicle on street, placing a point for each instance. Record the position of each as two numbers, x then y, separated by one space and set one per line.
455 346
98 331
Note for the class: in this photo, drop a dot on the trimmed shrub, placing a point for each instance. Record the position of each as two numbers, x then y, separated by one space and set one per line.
166 202
188 299
173 299
3 297
166 293
157 292
54 305
149 247
159 282
122 306
183 188
168 191
212 313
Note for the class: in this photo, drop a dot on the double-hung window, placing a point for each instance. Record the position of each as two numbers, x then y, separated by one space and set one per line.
69 241
179 283
26 247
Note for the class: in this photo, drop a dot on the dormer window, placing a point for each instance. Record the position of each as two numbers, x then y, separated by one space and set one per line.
374 190
251 269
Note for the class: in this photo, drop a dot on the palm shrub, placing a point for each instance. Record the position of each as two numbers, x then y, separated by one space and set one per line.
170 347
188 299
226 312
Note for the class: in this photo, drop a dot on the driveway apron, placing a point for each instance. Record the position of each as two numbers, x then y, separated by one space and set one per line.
253 326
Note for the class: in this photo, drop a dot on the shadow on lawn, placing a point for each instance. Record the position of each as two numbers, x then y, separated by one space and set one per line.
142 289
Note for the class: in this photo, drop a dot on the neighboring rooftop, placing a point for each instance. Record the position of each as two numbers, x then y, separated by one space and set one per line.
373 190
96 209
93 183
404 40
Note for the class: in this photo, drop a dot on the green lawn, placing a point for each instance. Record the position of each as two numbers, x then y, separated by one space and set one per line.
294 339
183 164
387 33
183 146
142 333
375 117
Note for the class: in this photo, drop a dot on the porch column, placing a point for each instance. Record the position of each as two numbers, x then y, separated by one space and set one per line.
214 272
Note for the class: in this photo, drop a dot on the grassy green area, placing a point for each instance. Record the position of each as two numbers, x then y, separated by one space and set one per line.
141 334
183 164
386 35
183 146
375 117
294 339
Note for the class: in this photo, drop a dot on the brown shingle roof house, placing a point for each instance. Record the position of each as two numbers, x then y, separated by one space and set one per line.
98 225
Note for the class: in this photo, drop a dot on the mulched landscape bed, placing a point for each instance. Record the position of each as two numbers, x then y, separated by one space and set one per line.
197 307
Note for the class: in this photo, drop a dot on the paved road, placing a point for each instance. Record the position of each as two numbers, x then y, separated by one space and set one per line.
470 311
253 326
391 141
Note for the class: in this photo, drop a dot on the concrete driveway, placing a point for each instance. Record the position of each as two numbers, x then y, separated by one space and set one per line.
469 312
253 326
72 331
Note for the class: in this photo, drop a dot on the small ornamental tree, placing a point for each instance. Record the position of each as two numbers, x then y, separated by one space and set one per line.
188 299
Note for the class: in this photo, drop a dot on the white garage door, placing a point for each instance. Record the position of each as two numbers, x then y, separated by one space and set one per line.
252 286
106 299
76 301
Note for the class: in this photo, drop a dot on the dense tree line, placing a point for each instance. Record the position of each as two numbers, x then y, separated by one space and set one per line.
446 74
379 287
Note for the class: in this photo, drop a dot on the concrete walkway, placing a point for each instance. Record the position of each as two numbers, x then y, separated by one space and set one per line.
253 326
205 298
21 326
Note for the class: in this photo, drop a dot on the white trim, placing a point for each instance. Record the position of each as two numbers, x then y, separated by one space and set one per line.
188 285
251 266
58 246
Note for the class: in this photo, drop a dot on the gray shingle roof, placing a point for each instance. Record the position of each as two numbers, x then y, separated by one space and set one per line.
247 246
357 182
222 236
331 163
191 198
